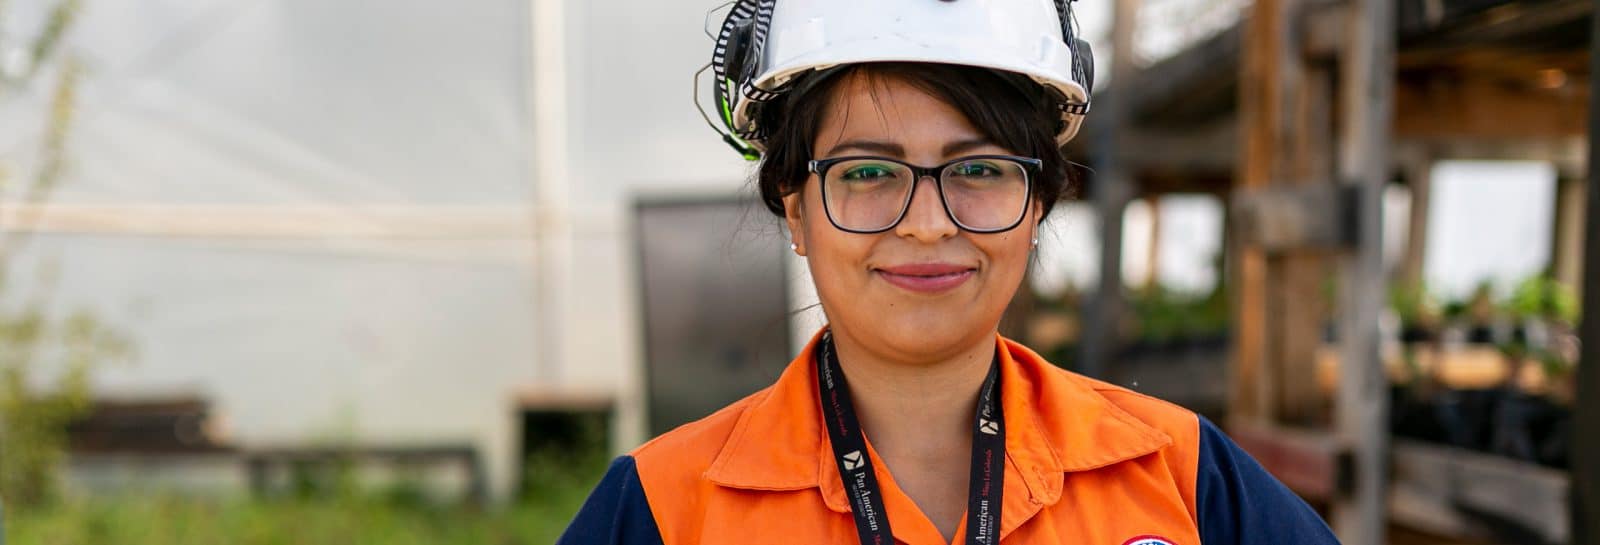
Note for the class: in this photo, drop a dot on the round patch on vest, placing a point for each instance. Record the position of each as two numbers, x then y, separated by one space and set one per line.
1148 540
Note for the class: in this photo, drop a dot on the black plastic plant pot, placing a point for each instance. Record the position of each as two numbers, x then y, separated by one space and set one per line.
1414 417
1499 421
1414 334
1480 334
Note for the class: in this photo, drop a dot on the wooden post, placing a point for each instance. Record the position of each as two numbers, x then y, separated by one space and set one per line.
1261 117
1586 427
1152 255
1284 107
1299 303
1112 190
1566 247
1419 175
1367 100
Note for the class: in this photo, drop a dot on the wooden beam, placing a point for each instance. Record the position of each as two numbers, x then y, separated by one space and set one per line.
1453 491
1568 155
1323 30
1490 21
1162 181
1194 87
1283 220
1367 82
1212 147
1305 461
1462 105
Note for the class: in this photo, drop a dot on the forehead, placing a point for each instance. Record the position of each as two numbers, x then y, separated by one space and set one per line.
870 107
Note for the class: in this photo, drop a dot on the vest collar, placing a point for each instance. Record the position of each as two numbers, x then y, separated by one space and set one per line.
1056 423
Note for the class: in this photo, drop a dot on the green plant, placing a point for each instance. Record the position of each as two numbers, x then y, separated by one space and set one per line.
45 358
1414 305
161 519
556 467
1543 297
34 418
1164 315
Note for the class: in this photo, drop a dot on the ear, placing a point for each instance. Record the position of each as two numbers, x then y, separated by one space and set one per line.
1036 210
794 216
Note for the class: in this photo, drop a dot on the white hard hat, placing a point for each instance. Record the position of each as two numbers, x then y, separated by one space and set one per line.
765 45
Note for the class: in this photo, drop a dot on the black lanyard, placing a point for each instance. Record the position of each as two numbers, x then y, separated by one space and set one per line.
986 481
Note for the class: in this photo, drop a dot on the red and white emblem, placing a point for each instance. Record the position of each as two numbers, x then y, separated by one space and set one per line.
1148 540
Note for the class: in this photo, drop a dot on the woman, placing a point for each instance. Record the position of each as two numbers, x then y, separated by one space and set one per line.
913 148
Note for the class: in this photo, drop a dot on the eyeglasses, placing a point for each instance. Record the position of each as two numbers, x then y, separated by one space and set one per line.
980 193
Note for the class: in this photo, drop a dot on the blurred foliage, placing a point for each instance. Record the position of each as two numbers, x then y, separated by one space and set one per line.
45 361
1548 312
1414 305
33 419
576 460
1157 318
1164 316
1535 322
327 507
177 520
1537 297
1543 297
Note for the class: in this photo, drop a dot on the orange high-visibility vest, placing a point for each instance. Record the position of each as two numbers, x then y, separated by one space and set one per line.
1086 463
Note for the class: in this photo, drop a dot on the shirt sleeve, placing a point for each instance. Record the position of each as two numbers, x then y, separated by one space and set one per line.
1241 504
616 513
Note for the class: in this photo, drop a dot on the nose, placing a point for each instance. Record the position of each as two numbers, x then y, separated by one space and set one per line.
926 219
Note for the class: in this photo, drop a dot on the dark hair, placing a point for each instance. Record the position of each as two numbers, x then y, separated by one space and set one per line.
1008 109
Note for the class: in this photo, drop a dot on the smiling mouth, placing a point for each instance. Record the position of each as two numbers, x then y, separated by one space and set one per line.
927 279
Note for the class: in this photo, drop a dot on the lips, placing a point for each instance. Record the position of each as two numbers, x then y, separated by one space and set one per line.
927 277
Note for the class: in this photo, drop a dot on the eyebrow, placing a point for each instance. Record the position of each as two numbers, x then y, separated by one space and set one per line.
874 146
896 150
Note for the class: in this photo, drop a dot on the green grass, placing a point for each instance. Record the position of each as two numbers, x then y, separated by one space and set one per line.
172 520
394 517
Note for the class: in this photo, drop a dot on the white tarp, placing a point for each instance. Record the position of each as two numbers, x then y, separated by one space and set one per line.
314 213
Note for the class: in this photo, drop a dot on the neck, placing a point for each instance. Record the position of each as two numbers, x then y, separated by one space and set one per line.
920 410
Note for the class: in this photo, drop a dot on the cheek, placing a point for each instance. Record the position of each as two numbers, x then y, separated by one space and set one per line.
1008 256
836 255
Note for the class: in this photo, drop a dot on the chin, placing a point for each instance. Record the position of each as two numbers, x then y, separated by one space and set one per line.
925 335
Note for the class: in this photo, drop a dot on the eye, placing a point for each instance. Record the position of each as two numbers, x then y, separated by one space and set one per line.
975 169
868 173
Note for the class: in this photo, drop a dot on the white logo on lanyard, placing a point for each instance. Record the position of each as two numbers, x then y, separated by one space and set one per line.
853 460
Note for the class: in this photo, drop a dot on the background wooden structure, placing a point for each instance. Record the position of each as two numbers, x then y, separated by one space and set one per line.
1315 106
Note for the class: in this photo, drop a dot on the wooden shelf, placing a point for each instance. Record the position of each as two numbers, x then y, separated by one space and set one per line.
1463 493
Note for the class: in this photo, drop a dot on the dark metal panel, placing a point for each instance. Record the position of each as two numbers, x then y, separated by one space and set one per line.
1586 427
715 300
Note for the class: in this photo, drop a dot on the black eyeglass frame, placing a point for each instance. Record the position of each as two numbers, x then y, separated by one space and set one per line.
1031 167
